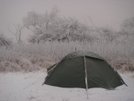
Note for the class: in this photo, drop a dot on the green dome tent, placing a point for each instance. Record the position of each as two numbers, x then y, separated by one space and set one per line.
83 69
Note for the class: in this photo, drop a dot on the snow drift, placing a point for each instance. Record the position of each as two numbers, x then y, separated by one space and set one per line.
28 87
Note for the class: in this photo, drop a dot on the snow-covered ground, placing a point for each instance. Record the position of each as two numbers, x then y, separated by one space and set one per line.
28 87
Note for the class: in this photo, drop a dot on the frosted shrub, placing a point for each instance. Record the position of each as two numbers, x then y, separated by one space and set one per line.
31 57
4 41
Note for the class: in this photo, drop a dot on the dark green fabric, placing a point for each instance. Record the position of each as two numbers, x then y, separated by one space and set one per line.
81 54
70 72
100 74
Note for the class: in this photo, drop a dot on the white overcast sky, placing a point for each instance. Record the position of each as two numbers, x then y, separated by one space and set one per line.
102 12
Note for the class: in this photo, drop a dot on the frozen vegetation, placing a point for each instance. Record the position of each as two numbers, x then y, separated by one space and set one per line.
54 37
23 65
32 57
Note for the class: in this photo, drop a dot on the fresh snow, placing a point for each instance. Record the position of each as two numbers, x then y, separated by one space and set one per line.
28 87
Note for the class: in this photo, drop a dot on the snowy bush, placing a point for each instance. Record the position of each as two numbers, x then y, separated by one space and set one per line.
4 41
32 57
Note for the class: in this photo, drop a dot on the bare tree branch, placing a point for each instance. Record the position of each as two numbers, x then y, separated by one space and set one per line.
17 33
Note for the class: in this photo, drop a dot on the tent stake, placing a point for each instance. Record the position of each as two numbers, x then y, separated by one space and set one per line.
86 81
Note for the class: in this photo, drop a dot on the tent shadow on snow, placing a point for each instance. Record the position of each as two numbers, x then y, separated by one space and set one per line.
83 69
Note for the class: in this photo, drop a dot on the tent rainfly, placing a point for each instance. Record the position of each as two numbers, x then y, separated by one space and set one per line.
83 69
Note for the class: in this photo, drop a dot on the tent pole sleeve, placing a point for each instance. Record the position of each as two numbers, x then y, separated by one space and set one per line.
86 81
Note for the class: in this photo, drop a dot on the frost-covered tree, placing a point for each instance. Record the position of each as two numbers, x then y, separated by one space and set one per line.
128 26
40 24
51 27
127 31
